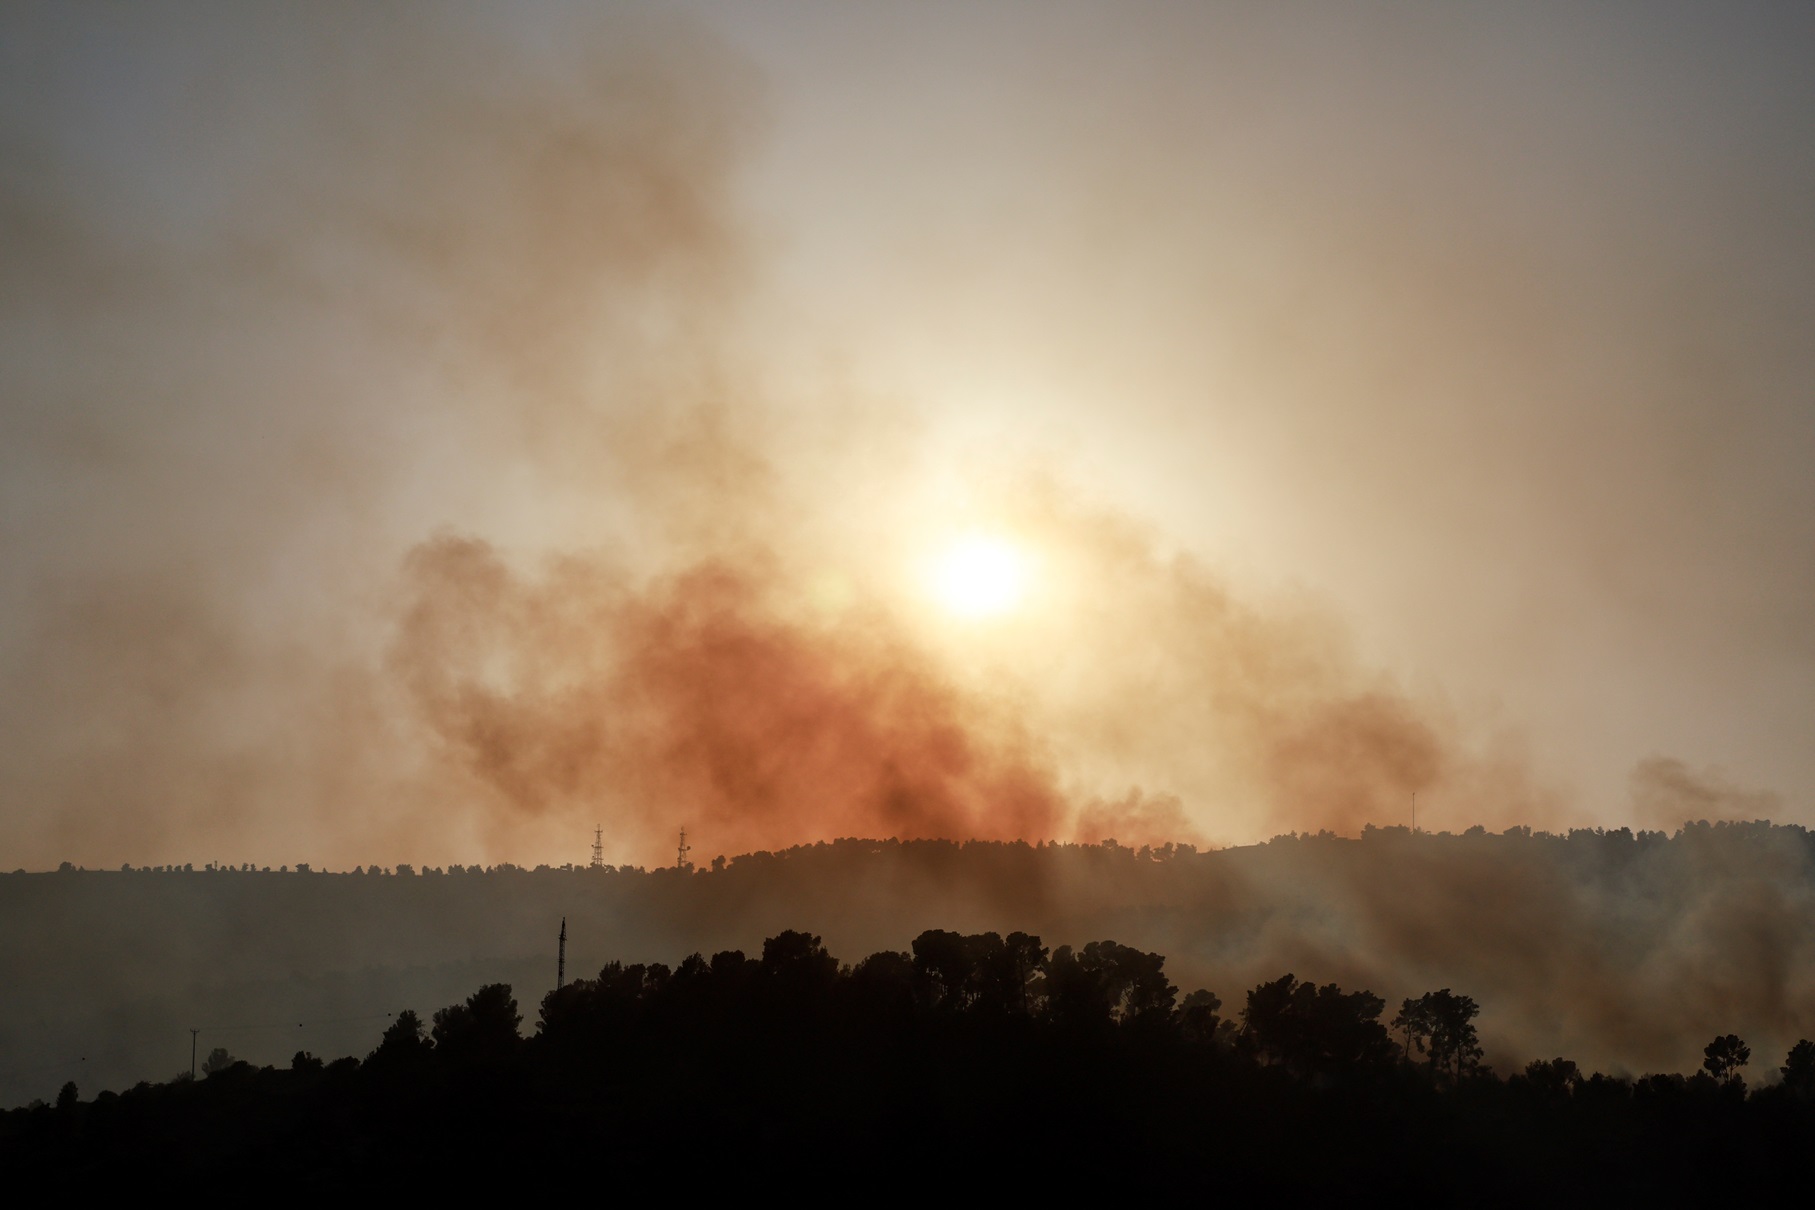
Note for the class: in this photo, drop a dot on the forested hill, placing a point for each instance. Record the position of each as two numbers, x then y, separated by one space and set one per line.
977 1064
1624 952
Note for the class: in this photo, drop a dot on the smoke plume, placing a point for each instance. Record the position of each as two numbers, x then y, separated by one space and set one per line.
1666 793
420 478
690 700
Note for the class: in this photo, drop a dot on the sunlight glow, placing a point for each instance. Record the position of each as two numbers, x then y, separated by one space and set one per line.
980 575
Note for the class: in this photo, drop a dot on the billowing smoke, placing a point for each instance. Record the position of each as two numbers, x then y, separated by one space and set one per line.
357 275
717 695
692 700
399 462
448 281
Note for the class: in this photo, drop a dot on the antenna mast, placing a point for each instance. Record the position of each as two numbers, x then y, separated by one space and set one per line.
598 847
1414 812
561 958
680 857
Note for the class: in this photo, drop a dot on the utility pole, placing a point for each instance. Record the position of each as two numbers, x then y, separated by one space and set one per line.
680 858
598 847
192 1037
561 959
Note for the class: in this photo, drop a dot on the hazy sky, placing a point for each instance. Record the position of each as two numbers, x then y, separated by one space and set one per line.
426 433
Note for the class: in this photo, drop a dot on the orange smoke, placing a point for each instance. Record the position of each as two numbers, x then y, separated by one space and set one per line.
543 272
696 702
708 697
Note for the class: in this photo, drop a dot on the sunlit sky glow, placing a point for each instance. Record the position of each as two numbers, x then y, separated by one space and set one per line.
1275 407
981 575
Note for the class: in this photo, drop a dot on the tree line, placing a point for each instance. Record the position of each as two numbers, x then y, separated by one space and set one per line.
979 1061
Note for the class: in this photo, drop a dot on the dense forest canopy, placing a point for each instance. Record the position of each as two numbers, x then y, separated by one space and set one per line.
974 1054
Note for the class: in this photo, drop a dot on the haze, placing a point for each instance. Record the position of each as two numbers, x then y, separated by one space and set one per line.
427 432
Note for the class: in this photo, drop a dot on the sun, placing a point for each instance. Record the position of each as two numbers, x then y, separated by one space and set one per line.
980 575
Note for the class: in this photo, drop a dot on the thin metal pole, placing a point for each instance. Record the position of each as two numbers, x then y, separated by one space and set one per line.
192 1036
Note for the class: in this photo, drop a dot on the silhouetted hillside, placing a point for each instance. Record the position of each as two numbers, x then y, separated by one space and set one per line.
971 1065
1625 952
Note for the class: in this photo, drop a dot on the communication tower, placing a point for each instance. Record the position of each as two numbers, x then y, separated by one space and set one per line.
680 857
561 958
598 847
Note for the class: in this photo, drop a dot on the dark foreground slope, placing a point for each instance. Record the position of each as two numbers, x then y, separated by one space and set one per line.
1625 952
972 1067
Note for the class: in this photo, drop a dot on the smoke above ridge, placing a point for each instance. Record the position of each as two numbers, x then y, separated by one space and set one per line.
727 696
366 277
398 464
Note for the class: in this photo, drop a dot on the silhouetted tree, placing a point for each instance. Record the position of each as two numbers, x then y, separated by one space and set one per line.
884 982
944 966
594 1007
633 983
1198 1017
67 1096
1146 996
567 1005
1723 1057
407 1032
485 1027
1663 1086
405 1041
996 982
693 969
1554 1077
1799 1069
1315 1030
1441 1024
1104 983
218 1060
731 963
303 1061
798 963
1270 1029
1024 956
981 971
1076 1000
